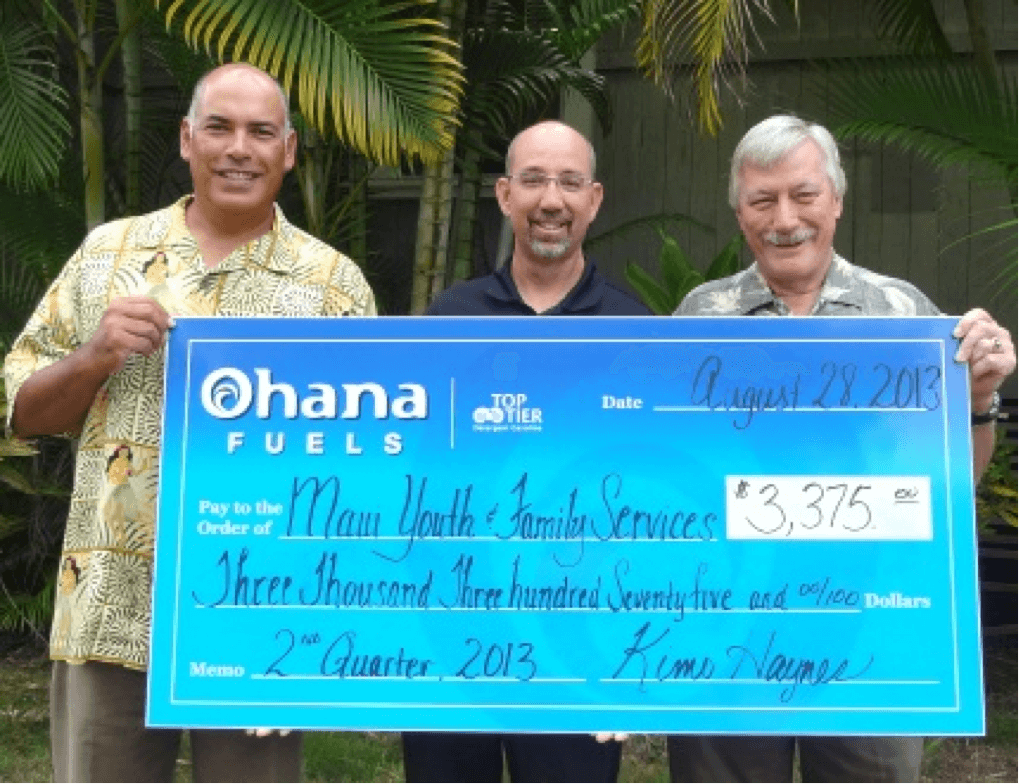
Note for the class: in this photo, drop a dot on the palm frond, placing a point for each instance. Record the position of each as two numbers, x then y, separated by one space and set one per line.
33 130
912 24
944 112
515 72
710 34
386 82
578 24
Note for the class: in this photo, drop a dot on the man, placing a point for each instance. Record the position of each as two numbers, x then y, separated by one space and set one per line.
90 363
550 196
786 186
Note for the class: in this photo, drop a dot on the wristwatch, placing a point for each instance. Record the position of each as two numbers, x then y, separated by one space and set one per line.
990 415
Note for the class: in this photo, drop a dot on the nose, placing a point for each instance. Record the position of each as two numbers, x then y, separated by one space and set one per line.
786 217
238 147
551 196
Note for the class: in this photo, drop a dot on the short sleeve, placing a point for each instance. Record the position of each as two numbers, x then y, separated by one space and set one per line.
52 332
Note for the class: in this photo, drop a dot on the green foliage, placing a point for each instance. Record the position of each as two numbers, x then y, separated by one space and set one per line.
913 24
518 59
678 276
33 499
516 73
710 34
386 82
33 130
996 494
27 612
944 112
578 24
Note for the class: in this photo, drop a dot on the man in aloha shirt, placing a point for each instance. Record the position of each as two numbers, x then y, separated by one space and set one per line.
786 186
90 363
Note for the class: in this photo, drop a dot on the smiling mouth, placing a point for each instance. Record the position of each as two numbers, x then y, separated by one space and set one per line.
552 227
789 240
240 176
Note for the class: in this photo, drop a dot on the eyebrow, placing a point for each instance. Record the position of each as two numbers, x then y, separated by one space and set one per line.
254 124
804 184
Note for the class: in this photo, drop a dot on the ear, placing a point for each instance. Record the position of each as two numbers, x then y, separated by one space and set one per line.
290 150
838 207
185 139
597 194
502 187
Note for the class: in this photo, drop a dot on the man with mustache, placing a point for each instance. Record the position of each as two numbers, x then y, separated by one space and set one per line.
550 196
786 186
90 363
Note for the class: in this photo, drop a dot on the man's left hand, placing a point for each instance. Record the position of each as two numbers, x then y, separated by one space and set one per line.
988 350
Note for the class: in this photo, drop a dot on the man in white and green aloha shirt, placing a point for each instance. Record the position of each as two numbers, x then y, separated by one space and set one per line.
786 186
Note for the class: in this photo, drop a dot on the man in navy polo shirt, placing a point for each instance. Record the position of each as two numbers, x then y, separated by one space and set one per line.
550 196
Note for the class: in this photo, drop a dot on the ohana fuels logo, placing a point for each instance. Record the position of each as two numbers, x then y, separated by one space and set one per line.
509 413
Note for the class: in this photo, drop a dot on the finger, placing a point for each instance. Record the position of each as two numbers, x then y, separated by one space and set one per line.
968 319
605 737
143 309
981 337
988 371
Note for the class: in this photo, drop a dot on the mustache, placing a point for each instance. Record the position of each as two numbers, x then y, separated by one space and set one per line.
789 238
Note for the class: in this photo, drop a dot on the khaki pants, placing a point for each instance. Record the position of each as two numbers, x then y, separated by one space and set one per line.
765 758
98 733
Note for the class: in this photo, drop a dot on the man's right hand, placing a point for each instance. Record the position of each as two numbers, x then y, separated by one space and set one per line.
57 398
130 325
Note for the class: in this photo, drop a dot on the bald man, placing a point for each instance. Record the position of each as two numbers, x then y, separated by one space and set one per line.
550 196
90 363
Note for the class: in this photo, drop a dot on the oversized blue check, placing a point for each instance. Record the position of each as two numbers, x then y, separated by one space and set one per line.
683 525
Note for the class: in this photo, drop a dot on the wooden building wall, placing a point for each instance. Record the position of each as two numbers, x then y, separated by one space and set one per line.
901 217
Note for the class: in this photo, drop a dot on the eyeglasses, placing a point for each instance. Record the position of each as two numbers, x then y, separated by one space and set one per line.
568 182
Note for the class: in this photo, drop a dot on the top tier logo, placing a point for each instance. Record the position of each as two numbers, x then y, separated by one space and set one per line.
508 412
228 393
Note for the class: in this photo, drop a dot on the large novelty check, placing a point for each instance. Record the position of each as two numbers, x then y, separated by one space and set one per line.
683 525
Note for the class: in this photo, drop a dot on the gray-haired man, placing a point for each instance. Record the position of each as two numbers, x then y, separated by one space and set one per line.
786 186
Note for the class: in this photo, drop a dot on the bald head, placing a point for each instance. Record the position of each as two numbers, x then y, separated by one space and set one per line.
549 129
236 71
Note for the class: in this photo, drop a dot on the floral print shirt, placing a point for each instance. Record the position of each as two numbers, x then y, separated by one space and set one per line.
847 291
105 575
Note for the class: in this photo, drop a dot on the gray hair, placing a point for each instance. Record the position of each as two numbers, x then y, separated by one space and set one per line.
513 144
198 95
772 139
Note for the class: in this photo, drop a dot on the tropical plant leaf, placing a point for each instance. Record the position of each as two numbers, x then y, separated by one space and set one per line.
710 34
648 289
514 73
11 476
385 81
944 112
656 222
578 24
16 447
34 133
912 24
675 265
24 612
728 261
